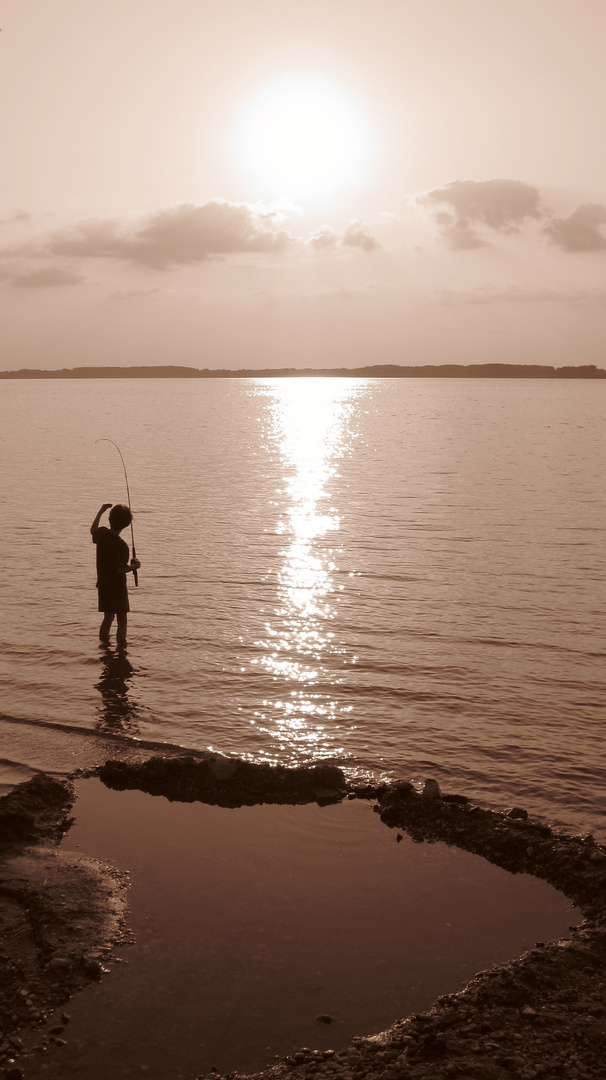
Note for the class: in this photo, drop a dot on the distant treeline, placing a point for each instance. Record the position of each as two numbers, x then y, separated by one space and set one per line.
377 371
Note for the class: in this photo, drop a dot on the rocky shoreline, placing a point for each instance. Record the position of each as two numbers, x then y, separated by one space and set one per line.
540 1015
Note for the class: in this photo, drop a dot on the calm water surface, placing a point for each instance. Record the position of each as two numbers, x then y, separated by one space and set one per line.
405 577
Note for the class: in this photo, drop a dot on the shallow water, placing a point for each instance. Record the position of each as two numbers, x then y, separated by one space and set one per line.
405 577
249 923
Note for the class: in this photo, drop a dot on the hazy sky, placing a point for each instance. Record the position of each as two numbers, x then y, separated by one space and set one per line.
292 182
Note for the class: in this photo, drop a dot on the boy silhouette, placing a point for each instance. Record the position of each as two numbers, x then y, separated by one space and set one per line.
112 568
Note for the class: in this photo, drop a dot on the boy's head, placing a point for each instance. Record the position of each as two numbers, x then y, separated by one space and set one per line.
119 517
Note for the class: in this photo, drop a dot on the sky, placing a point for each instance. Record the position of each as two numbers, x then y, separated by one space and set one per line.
294 183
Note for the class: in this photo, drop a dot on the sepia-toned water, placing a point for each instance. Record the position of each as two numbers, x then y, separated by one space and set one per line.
404 577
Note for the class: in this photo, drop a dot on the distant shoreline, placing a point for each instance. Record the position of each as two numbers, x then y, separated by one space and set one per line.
376 371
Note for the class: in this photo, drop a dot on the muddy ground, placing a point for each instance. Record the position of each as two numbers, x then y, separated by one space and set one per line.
541 1015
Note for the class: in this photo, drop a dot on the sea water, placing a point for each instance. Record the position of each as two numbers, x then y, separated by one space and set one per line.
403 577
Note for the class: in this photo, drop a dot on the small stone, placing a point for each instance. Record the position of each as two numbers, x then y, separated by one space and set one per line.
399 837
59 964
514 1062
60 1042
324 1018
93 968
528 1013
431 790
58 1029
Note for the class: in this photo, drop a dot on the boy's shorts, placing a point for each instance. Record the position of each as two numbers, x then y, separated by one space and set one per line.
113 601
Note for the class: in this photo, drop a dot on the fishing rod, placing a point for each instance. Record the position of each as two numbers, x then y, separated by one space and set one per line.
132 533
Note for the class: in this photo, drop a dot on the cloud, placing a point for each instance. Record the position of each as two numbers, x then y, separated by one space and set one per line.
131 294
355 235
17 218
324 238
520 294
580 231
46 278
463 205
179 235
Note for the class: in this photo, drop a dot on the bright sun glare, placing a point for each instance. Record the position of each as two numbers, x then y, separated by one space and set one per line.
303 137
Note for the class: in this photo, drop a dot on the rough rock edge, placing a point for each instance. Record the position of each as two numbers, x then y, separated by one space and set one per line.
225 781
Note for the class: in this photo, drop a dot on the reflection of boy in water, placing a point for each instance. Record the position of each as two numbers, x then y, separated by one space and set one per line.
112 568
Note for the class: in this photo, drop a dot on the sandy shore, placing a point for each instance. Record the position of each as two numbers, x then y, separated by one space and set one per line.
542 1014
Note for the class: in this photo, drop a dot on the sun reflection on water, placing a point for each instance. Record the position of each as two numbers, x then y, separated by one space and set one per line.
310 430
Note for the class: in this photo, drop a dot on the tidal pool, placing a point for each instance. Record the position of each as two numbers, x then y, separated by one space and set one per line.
250 923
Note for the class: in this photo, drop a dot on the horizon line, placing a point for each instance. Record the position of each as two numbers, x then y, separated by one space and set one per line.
176 371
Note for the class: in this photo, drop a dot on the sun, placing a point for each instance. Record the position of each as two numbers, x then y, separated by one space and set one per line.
303 137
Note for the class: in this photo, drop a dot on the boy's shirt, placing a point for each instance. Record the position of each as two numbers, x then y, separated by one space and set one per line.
112 554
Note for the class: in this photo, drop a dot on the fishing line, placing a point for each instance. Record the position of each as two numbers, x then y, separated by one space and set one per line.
132 532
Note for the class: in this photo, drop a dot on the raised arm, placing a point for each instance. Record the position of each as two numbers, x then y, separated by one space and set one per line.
95 524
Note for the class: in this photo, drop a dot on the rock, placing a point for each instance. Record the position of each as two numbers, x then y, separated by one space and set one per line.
519 813
528 1013
59 964
402 787
323 794
93 968
596 1031
58 1029
222 768
324 1018
431 790
399 837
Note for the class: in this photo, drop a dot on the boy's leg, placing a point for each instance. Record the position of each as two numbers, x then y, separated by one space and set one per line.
105 627
121 630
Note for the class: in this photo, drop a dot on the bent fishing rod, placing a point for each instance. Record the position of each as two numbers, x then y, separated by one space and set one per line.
132 532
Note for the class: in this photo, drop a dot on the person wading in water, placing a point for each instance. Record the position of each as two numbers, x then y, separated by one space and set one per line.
112 568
